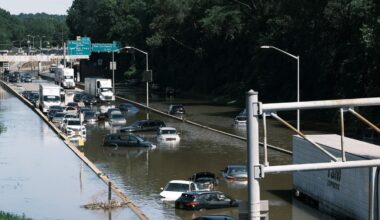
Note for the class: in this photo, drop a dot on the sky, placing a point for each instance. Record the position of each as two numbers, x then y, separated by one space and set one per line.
36 6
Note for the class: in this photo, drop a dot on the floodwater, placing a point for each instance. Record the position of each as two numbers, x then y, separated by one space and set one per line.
40 177
140 173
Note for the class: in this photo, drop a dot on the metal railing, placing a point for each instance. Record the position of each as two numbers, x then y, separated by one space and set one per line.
257 171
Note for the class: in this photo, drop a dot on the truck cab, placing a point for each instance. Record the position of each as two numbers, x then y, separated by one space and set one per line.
100 88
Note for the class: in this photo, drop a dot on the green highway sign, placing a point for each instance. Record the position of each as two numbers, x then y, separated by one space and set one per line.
81 46
98 48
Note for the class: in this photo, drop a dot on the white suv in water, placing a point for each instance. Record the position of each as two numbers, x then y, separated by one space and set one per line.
174 189
74 128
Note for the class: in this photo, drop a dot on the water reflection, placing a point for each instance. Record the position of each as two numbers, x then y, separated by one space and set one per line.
127 152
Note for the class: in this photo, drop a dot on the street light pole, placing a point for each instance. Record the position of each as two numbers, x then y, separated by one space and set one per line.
298 77
147 69
113 72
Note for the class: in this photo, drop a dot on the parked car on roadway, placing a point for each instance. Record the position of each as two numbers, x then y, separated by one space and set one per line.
112 111
73 128
204 200
205 180
26 93
58 118
66 117
126 140
52 112
143 125
117 118
235 173
26 77
34 98
90 117
89 99
240 120
13 78
176 109
174 188
167 135
78 97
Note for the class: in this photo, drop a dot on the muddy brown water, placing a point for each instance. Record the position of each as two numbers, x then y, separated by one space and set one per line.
140 173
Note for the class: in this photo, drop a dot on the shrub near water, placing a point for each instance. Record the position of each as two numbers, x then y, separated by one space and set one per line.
8 216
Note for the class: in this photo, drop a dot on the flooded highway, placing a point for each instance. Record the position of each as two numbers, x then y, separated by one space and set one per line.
140 173
40 177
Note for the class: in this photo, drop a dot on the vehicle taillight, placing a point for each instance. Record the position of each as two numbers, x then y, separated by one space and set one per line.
191 204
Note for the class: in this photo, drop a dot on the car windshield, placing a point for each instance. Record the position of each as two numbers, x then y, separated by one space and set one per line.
237 170
59 115
187 197
49 98
55 107
89 114
168 131
73 122
241 118
69 77
106 89
117 116
137 123
177 187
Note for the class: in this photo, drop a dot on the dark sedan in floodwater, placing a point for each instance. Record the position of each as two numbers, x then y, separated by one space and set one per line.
143 125
204 200
126 140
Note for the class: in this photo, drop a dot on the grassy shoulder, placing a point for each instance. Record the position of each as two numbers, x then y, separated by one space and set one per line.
9 216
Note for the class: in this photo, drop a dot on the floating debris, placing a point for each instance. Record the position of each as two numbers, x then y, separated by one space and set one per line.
104 205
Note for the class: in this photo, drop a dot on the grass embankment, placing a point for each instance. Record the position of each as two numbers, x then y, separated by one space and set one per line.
9 216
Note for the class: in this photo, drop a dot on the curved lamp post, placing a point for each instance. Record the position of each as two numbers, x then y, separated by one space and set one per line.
298 77
147 69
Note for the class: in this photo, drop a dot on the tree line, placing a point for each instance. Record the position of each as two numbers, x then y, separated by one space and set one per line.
213 46
44 29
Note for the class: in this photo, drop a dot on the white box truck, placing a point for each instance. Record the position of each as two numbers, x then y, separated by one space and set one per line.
64 77
344 193
49 95
100 88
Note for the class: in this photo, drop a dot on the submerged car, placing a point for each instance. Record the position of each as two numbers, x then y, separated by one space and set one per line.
143 125
204 200
74 128
241 119
89 99
126 140
58 118
117 119
176 109
52 113
90 116
78 97
167 135
205 180
174 189
235 173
